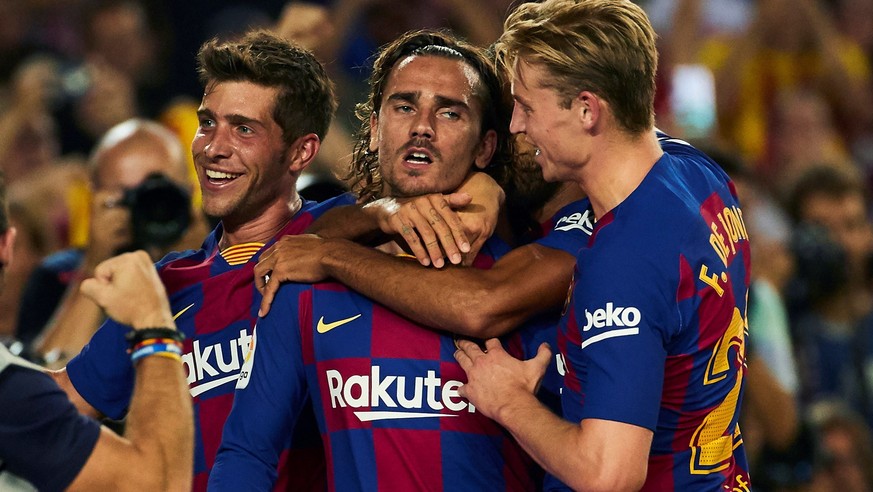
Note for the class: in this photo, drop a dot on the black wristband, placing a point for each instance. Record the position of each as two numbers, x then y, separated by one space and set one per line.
135 337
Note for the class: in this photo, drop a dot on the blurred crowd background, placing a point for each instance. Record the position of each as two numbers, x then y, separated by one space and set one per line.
779 92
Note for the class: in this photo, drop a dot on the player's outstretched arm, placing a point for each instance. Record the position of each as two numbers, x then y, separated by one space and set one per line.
270 396
472 302
157 450
594 455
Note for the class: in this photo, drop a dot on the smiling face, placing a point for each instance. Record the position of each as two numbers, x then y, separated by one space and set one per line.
555 131
240 156
428 128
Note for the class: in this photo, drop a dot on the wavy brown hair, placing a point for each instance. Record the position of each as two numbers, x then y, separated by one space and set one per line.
306 101
364 174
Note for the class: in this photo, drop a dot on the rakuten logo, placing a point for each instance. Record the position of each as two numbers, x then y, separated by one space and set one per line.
429 394
220 360
627 318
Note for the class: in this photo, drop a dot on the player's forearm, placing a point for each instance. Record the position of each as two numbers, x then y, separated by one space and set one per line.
347 222
400 284
477 303
164 438
547 438
528 280
563 449
156 451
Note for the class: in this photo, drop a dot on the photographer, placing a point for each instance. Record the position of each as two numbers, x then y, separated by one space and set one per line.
140 200
833 306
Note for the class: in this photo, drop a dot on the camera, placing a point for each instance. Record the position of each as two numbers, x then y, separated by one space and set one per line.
160 212
820 264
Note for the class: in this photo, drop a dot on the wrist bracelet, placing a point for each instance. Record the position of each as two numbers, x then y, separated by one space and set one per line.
152 341
171 350
168 355
135 337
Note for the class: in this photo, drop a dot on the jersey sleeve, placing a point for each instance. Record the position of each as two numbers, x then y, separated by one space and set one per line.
571 228
622 308
317 209
43 439
102 373
270 395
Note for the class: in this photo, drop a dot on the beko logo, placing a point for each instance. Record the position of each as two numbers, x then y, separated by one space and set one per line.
624 321
581 221
428 394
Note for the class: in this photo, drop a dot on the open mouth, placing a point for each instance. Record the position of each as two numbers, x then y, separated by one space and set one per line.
219 177
418 158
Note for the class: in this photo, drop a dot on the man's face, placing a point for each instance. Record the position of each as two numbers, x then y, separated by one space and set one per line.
553 130
845 218
127 165
122 166
239 153
427 130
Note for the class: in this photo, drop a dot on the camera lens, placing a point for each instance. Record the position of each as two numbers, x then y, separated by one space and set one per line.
160 212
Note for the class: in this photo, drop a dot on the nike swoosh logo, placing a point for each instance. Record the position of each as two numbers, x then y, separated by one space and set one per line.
372 416
202 388
180 313
326 327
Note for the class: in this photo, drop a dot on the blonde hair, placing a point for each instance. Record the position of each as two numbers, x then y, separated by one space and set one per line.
603 46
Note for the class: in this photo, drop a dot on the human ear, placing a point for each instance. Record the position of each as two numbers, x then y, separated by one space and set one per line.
486 149
589 108
303 152
374 132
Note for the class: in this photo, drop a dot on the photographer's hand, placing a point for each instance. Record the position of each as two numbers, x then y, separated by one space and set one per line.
78 317
109 229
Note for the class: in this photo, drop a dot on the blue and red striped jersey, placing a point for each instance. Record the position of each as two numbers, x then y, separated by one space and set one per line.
213 297
568 230
655 329
385 392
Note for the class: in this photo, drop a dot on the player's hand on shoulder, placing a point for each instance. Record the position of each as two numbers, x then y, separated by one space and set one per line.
478 215
428 224
496 379
291 259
